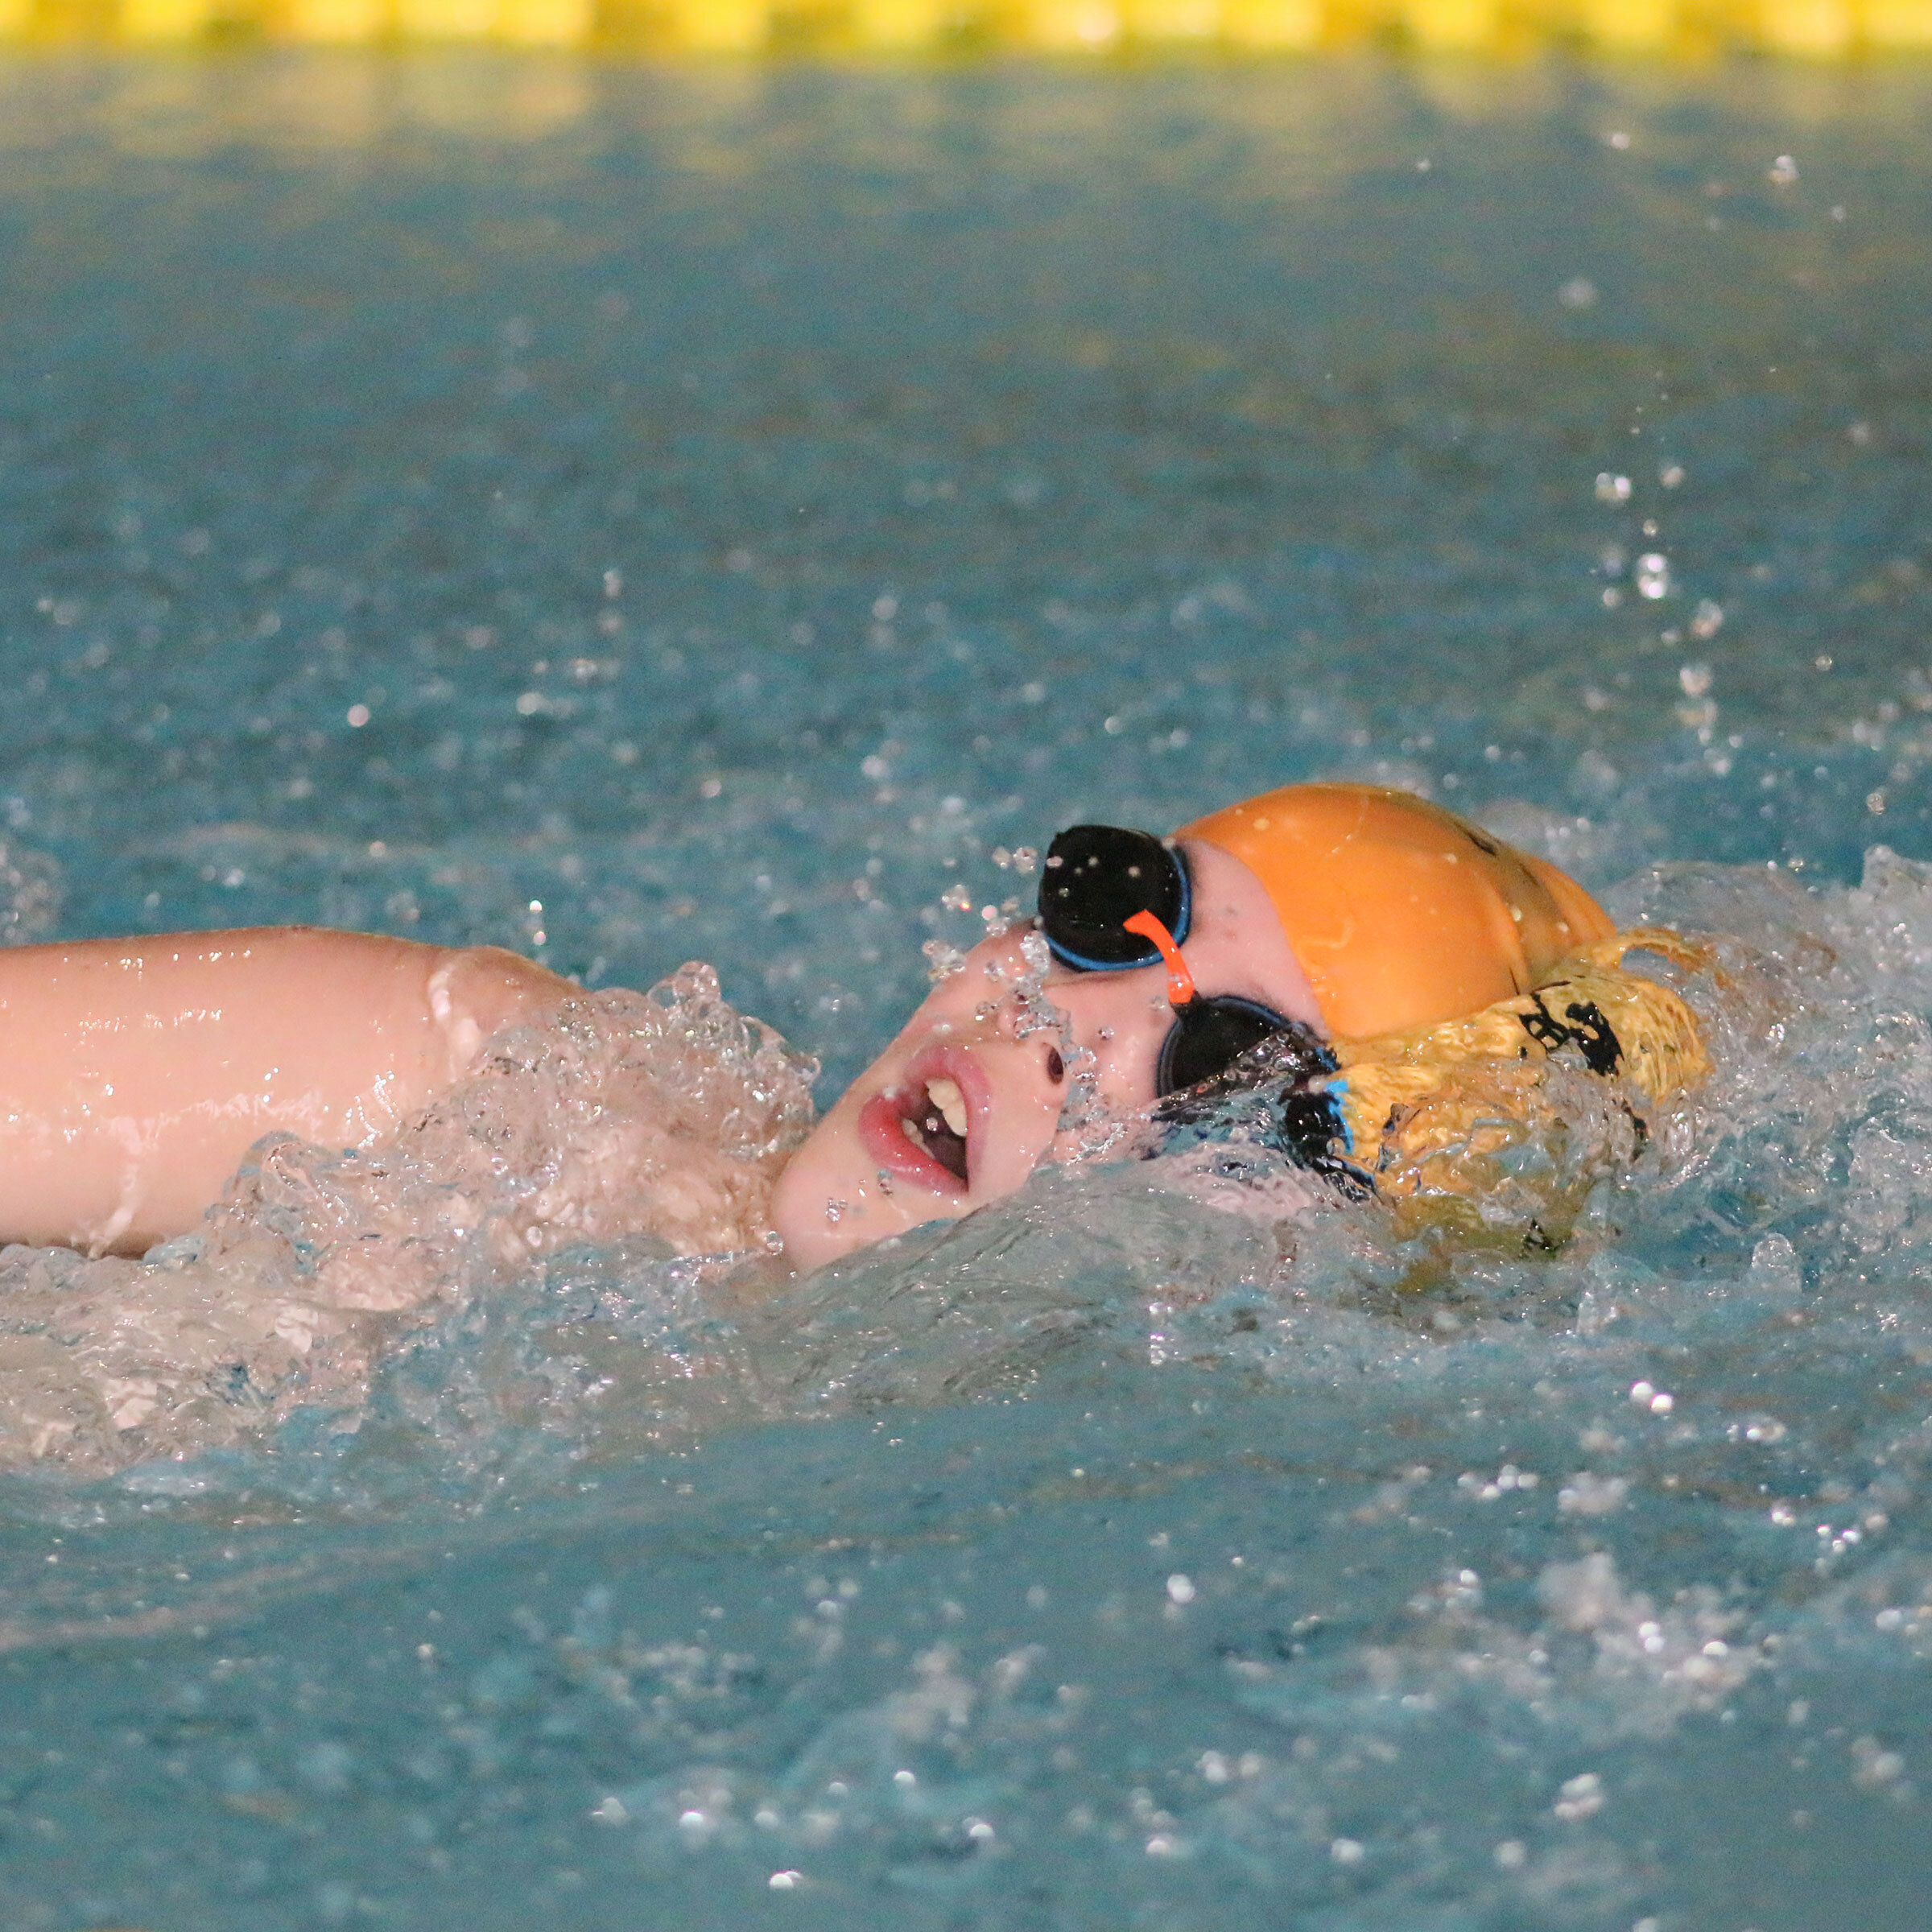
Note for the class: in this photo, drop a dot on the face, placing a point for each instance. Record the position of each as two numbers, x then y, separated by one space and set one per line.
983 1098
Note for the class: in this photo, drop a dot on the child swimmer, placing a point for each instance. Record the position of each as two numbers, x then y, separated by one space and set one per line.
1363 936
1365 942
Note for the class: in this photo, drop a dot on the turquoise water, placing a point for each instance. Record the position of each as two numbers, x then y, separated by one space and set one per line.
640 517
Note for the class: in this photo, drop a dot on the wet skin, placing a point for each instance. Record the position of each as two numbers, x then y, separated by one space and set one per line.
140 1071
983 1105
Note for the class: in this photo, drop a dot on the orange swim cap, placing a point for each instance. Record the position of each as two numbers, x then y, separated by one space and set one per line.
1400 913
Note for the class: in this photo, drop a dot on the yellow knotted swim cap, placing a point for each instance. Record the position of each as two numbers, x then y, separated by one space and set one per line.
1400 913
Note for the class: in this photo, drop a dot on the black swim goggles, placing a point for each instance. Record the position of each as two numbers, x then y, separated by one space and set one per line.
1112 900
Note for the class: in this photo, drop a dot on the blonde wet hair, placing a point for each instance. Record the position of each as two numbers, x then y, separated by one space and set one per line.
1426 1112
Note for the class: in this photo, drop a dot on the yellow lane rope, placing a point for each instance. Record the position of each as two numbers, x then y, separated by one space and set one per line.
1811 29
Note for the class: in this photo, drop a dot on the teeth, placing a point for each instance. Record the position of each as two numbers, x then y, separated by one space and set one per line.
945 1095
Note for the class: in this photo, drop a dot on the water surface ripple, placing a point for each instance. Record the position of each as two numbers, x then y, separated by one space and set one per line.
640 517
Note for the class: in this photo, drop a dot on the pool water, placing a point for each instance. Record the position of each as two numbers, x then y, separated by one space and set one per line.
650 516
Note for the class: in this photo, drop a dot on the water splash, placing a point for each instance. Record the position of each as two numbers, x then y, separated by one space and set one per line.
490 1291
651 1125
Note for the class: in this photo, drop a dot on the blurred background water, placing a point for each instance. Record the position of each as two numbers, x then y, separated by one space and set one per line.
637 516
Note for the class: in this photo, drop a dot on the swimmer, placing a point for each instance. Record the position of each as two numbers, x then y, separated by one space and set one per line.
1315 917
140 1071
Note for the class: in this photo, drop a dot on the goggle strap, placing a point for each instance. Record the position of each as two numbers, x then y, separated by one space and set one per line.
1180 981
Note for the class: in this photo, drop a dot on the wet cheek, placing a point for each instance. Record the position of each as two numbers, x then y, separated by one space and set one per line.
1123 1030
1127 1075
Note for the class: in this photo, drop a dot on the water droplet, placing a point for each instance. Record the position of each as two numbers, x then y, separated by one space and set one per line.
1581 1796
942 959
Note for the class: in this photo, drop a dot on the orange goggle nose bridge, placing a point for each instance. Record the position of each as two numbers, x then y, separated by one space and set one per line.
1180 981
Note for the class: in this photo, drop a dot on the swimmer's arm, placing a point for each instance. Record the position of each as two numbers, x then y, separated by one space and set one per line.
134 1074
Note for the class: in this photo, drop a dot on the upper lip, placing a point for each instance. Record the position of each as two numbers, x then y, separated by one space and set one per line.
883 1136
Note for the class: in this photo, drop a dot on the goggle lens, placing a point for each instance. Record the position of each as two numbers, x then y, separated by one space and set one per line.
1096 878
1100 884
1207 1037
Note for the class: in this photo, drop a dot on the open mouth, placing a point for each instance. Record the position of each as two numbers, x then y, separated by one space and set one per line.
932 1116
921 1129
